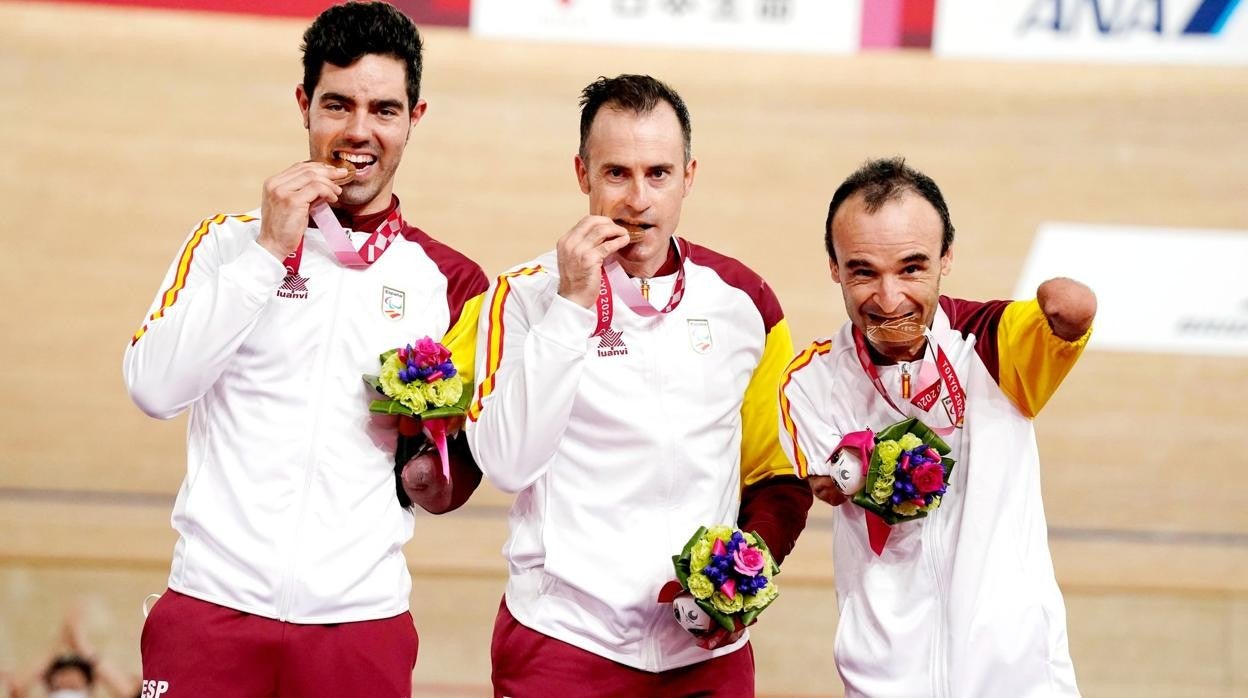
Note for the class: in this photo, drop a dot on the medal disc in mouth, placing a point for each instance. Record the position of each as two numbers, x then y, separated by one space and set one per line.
636 231
337 161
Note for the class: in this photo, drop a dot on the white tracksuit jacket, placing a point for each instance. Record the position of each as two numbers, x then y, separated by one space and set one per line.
620 448
288 509
963 603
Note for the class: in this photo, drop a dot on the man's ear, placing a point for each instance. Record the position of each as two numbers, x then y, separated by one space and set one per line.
691 169
946 262
835 269
582 173
305 102
418 111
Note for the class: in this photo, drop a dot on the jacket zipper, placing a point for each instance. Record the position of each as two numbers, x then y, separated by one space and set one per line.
940 659
288 583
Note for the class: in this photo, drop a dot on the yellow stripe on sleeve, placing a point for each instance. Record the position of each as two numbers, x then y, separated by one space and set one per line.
494 335
1033 361
170 295
799 362
761 455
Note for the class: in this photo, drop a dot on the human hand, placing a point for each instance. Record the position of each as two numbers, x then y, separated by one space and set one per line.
287 199
825 489
423 482
582 251
718 637
74 633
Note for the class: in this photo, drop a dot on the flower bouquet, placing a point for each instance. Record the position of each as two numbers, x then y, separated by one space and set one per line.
730 575
421 381
901 474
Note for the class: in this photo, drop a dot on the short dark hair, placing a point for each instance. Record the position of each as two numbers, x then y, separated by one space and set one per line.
69 661
639 94
345 33
884 180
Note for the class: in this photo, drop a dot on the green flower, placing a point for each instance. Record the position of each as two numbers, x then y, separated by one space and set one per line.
441 393
906 508
700 554
411 395
882 489
763 597
723 604
723 533
700 586
888 468
888 451
934 503
909 441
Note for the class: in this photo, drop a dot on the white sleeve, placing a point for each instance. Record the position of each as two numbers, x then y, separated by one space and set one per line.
205 308
806 435
530 355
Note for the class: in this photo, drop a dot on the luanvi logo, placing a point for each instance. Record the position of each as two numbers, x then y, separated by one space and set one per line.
294 286
611 343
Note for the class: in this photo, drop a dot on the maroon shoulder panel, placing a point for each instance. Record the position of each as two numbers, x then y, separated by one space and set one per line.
980 318
464 278
737 275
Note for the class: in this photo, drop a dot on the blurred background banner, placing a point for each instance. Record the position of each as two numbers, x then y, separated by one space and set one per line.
1146 31
1135 312
824 26
449 13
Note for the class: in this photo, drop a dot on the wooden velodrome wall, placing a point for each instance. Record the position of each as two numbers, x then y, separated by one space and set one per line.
121 129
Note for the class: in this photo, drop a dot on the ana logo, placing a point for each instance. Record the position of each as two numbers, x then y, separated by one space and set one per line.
153 688
294 286
392 302
1122 17
700 336
611 343
1210 17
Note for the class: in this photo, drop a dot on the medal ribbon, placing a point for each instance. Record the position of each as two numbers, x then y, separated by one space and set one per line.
926 397
340 242
615 278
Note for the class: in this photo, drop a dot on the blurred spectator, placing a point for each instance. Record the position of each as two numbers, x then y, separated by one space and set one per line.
73 669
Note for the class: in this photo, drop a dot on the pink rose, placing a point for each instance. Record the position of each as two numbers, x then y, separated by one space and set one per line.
928 477
430 353
748 561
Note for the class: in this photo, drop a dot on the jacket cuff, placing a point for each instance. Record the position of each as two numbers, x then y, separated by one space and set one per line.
256 271
566 324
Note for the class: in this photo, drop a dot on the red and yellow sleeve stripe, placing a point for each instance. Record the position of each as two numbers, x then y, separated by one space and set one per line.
494 336
1033 360
170 295
790 427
